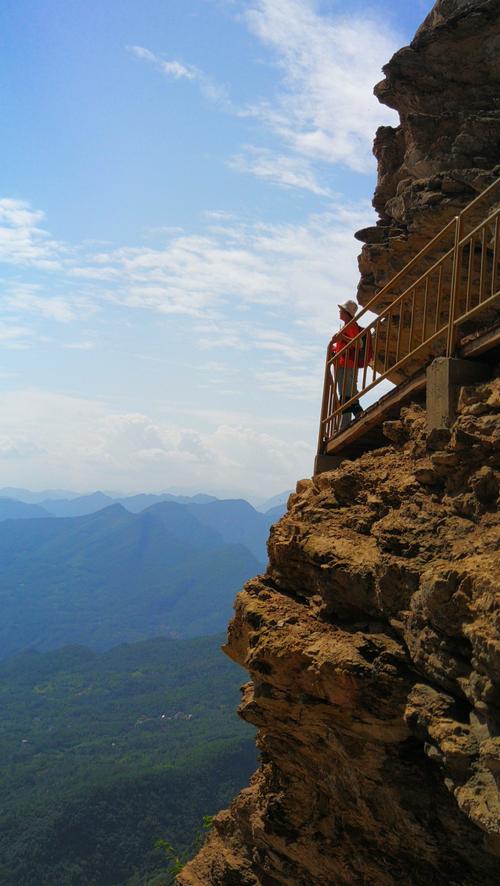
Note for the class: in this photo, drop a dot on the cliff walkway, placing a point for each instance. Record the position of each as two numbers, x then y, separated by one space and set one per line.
445 303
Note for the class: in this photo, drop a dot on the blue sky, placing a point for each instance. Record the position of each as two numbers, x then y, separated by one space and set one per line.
181 180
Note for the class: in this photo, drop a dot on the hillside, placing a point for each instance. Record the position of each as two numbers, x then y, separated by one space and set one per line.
11 509
114 576
237 522
104 754
235 519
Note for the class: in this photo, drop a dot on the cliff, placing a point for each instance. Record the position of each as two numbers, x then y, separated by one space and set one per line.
373 640
373 647
446 89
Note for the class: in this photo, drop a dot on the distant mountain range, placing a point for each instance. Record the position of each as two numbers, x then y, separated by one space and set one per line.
21 503
10 509
277 501
114 576
36 498
78 505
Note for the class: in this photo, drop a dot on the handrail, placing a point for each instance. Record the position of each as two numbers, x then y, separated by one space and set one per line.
491 189
411 264
405 335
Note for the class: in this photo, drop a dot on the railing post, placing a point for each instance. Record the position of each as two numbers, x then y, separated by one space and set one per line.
324 403
455 285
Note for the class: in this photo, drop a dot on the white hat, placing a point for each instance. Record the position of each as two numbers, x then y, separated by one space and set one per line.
350 306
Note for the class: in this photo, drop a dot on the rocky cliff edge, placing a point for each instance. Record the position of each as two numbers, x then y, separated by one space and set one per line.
373 647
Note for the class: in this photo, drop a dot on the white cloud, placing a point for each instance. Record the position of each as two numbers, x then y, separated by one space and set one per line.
12 335
179 71
329 65
258 302
25 299
323 108
16 448
290 384
171 68
189 276
218 215
81 444
80 346
98 273
224 335
22 240
19 214
268 291
282 344
303 268
285 170
298 272
30 298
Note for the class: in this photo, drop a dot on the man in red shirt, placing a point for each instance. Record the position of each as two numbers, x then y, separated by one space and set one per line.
345 371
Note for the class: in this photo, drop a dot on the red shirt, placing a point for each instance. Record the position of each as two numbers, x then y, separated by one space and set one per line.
350 330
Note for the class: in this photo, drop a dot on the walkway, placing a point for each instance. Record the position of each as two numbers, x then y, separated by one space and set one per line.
444 302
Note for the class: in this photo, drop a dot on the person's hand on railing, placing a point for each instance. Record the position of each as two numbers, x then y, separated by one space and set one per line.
339 336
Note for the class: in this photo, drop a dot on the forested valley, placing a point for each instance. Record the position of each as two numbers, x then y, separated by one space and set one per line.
119 725
105 754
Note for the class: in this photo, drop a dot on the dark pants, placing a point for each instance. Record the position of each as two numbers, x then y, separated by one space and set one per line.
350 390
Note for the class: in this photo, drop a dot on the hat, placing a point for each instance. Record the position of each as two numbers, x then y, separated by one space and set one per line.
350 306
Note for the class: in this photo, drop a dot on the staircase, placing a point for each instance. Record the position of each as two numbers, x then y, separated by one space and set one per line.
444 303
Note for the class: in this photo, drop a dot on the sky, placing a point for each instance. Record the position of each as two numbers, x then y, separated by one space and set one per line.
180 185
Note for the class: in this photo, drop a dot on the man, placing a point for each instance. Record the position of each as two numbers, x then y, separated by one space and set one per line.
344 371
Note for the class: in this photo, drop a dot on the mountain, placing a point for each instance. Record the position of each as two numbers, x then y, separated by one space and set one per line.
277 500
275 514
201 498
113 576
102 755
30 497
79 506
137 503
236 519
237 522
10 509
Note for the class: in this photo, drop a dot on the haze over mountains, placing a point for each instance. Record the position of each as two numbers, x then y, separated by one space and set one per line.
19 504
54 500
121 574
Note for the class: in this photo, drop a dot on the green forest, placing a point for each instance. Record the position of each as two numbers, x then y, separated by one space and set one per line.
104 754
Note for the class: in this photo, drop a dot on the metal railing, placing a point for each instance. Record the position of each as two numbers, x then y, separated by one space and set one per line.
451 281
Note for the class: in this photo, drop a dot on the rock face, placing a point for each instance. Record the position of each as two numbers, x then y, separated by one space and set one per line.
373 647
446 89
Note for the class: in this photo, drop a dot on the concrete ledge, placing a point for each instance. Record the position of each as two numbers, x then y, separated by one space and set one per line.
445 377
